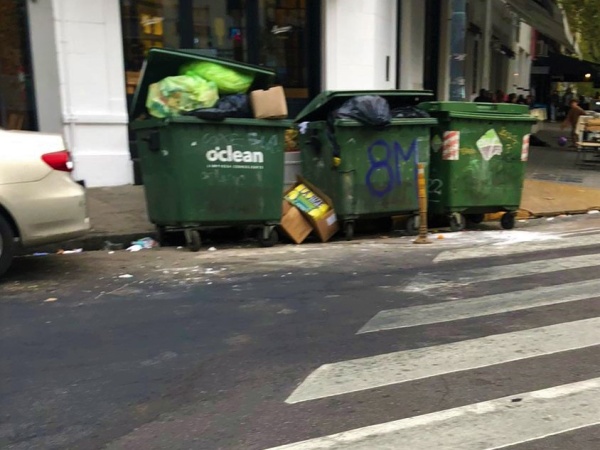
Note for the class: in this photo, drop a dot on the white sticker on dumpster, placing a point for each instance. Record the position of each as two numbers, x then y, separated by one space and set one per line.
451 147
525 148
228 158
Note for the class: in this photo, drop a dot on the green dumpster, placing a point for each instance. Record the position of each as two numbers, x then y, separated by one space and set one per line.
478 157
376 173
203 174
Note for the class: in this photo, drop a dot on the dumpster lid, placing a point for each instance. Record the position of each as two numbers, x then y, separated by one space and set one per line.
161 63
327 101
476 108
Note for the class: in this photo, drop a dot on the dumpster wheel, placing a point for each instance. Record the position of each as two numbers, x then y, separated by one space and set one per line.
475 219
349 230
457 221
193 240
412 225
508 221
271 239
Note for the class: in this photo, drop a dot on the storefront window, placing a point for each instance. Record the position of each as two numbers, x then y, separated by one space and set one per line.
16 81
220 29
147 24
280 34
284 44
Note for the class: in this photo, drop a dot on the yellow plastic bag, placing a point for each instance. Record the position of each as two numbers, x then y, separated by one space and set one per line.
173 96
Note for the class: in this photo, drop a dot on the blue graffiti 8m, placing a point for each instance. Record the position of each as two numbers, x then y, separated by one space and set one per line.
391 164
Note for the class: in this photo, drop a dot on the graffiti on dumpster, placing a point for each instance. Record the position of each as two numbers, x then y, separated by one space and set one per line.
390 164
435 190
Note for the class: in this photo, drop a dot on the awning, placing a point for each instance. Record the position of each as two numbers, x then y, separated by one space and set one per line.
568 69
550 22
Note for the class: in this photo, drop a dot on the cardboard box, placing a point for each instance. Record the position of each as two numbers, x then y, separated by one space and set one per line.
269 104
294 224
326 226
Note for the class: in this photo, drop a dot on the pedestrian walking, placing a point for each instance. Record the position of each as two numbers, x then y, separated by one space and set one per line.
573 115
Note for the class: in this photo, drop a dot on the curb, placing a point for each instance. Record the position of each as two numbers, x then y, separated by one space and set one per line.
94 242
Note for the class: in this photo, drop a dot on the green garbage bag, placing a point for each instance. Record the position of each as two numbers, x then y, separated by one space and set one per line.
228 80
173 96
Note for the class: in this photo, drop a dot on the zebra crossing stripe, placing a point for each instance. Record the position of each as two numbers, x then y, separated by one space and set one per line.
409 365
487 251
428 282
490 425
481 306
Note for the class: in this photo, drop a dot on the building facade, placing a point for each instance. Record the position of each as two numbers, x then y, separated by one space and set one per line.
71 66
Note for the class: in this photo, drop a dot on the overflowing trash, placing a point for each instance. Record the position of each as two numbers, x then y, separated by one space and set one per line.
227 80
230 106
173 96
367 109
204 89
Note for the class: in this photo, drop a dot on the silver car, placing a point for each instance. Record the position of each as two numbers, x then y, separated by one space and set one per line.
40 203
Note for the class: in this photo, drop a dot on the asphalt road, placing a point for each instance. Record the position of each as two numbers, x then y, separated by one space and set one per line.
254 349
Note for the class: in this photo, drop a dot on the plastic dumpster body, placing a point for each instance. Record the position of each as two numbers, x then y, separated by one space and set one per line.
203 174
377 171
478 157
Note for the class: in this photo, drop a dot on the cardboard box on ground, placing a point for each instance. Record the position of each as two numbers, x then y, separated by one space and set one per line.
297 225
269 104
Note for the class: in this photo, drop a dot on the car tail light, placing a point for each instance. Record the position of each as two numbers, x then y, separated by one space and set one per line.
59 160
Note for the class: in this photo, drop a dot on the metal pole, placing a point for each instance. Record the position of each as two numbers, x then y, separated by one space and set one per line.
422 239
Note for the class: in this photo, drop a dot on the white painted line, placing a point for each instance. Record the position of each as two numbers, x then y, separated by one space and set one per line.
481 306
409 365
487 425
580 232
431 281
487 251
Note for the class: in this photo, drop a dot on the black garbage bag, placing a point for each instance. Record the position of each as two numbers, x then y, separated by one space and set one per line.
367 109
408 112
230 106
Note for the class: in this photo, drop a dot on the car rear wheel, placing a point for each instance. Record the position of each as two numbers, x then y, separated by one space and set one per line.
7 245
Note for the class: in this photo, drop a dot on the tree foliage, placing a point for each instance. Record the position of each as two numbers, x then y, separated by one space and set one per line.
584 21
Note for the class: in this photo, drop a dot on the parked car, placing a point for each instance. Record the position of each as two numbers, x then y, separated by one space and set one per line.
40 203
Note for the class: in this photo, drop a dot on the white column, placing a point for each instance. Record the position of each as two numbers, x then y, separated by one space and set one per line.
444 62
45 67
412 44
486 61
359 37
92 89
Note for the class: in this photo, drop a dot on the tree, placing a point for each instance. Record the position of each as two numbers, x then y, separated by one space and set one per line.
584 21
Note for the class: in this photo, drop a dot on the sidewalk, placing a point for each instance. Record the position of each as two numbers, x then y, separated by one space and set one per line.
553 186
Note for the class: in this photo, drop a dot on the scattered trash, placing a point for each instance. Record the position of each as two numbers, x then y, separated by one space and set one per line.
50 300
212 249
135 248
41 254
126 275
440 236
145 243
111 252
303 127
593 211
70 252
550 219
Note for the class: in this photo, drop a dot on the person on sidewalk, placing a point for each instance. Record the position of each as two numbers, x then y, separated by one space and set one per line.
483 97
573 115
